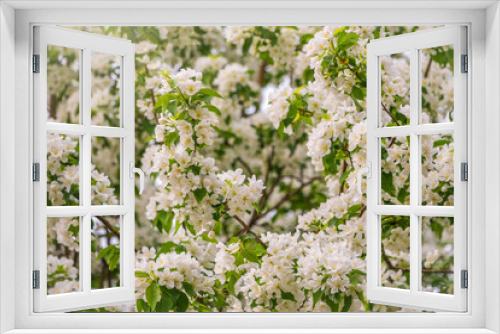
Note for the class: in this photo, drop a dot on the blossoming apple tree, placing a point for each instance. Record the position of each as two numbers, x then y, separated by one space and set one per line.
252 137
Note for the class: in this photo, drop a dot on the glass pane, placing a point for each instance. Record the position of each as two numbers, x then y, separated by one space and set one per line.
437 84
105 89
105 171
395 170
63 170
105 252
395 252
395 99
63 255
437 254
63 84
437 170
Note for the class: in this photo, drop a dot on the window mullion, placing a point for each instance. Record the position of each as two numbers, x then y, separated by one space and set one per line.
414 170
85 276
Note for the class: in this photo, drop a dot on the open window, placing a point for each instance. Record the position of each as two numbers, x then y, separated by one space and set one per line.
426 165
85 192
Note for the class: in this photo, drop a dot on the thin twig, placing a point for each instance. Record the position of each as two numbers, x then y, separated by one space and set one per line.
108 225
428 68
247 167
425 271
153 99
290 195
391 115
245 226
262 73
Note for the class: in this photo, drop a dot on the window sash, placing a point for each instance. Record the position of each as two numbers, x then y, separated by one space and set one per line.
87 43
413 298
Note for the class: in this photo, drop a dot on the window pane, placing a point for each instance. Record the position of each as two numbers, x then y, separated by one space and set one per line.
395 92
395 170
395 252
63 170
437 84
437 170
105 90
105 171
105 252
437 254
63 84
63 255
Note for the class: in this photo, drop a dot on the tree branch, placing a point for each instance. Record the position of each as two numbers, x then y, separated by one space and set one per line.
153 99
391 115
247 167
108 226
428 68
425 271
290 195
247 230
262 73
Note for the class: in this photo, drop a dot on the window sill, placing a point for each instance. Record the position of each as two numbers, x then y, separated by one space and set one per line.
252 331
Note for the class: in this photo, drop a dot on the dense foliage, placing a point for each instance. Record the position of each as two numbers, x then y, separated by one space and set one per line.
252 137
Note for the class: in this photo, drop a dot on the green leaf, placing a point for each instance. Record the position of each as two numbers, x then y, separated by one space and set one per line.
347 40
152 294
357 93
304 39
441 142
347 303
182 302
142 306
167 222
232 277
199 194
268 34
188 288
345 175
308 75
209 92
246 45
281 131
172 137
257 207
114 259
317 296
332 302
213 109
104 252
165 304
139 273
205 237
288 296
218 227
387 184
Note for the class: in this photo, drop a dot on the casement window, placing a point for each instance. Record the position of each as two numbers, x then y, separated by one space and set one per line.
422 163
459 135
83 206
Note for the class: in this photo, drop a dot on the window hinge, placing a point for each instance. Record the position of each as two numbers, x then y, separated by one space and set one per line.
36 63
465 64
36 172
465 279
464 172
36 279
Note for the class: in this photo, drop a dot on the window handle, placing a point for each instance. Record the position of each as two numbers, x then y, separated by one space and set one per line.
139 171
368 171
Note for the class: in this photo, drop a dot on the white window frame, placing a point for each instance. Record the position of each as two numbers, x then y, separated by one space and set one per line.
86 43
413 44
483 21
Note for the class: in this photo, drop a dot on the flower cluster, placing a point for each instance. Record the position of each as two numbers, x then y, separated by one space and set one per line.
252 137
62 276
